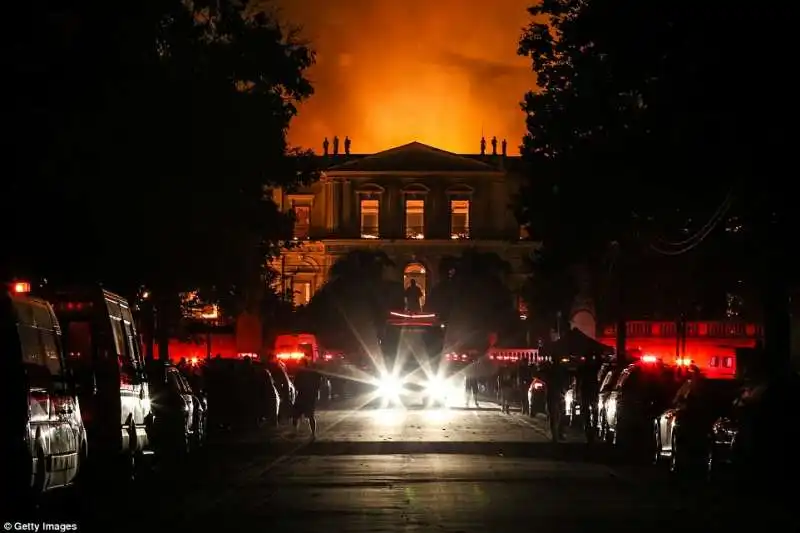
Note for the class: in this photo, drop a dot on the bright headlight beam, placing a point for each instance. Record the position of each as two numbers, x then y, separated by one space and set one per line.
437 389
390 387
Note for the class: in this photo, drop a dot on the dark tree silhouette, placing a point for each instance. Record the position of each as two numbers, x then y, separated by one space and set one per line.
147 139
349 310
473 299
637 131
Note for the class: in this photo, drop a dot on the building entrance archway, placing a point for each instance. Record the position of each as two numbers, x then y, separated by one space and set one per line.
418 273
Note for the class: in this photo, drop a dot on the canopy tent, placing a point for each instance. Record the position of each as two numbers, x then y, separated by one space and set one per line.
576 343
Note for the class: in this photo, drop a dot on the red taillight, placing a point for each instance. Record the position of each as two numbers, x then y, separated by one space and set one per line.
22 287
74 306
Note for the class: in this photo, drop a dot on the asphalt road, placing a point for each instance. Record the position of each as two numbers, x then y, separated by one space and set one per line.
454 470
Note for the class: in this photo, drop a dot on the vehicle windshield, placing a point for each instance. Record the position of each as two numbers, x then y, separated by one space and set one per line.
410 345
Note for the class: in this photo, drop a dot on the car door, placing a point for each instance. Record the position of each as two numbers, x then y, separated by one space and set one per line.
188 400
668 418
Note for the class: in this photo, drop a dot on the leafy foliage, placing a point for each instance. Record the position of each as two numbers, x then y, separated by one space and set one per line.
638 129
473 299
157 128
349 310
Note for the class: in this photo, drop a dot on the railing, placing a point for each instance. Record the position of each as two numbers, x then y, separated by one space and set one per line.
704 329
415 232
513 354
370 232
457 233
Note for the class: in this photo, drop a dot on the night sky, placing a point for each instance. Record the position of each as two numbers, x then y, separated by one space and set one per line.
432 71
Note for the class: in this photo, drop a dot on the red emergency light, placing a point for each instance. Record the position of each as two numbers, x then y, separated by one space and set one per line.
290 356
649 359
22 287
682 361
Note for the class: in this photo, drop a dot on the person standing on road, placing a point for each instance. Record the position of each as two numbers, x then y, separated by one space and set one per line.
505 382
471 385
307 384
555 381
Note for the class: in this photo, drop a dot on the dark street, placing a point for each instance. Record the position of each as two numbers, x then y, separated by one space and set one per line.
376 470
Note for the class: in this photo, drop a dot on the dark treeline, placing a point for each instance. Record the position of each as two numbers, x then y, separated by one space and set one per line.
143 136
648 117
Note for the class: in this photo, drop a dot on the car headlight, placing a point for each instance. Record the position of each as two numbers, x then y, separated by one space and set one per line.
390 387
437 388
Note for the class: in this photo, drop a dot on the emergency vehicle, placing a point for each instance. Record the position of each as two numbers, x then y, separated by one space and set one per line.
411 369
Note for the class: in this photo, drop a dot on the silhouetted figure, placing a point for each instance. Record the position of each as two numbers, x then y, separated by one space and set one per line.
494 145
347 143
483 145
325 145
336 145
555 379
504 146
307 383
505 384
471 385
413 297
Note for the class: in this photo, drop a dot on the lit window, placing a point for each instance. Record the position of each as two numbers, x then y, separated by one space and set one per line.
415 219
459 219
370 214
302 221
301 292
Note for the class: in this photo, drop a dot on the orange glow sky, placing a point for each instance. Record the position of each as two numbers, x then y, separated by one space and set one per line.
392 72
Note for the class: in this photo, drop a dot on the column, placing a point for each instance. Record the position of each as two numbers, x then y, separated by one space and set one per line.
346 222
337 206
330 207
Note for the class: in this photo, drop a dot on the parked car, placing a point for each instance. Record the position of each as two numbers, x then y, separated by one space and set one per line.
241 394
681 432
44 444
180 415
284 385
759 434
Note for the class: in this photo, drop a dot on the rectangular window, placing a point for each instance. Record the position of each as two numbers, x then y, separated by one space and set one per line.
302 292
370 212
459 219
302 221
415 219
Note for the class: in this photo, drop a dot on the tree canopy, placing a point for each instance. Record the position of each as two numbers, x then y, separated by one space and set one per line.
146 135
349 311
639 128
473 299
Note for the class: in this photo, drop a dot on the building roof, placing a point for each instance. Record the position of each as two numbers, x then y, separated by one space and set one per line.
415 157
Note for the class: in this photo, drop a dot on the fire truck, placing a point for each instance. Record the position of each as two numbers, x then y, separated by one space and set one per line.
410 368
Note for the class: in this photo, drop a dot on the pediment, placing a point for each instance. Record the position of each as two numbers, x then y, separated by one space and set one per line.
414 157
